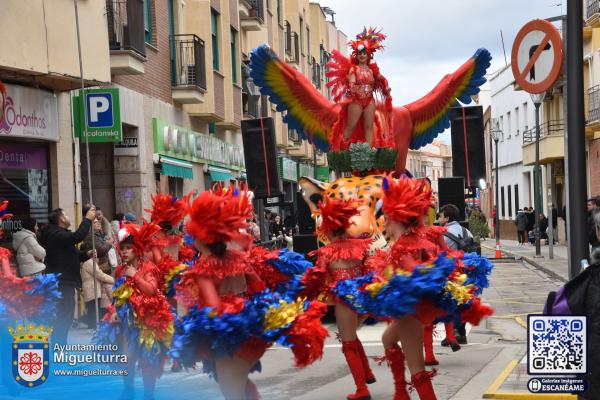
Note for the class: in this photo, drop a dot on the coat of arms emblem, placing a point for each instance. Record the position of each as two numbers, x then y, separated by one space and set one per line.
30 354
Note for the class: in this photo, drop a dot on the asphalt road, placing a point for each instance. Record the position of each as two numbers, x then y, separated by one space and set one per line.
516 290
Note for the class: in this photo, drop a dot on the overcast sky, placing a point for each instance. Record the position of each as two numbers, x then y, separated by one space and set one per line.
428 39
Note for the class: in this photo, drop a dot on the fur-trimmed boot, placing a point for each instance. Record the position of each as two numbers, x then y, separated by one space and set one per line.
421 381
352 353
428 344
369 376
395 359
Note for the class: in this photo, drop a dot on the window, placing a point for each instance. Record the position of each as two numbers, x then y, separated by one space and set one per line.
212 128
502 201
148 21
234 66
308 42
214 22
525 124
509 202
279 11
517 121
516 198
508 124
502 127
301 35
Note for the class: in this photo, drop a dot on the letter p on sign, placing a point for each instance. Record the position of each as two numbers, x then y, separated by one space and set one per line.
99 110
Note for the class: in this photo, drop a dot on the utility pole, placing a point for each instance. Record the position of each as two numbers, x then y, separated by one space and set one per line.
576 178
537 99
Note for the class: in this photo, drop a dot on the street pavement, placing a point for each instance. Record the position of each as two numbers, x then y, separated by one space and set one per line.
479 368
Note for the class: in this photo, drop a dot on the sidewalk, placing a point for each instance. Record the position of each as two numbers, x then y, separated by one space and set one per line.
557 267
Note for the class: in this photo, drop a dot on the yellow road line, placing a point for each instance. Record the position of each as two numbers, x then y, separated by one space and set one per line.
500 379
521 322
492 391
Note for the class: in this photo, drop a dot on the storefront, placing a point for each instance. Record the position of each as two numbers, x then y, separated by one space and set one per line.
189 160
28 124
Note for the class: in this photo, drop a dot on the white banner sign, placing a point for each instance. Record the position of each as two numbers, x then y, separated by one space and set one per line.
28 113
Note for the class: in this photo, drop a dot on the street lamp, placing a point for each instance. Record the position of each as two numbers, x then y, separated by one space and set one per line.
496 132
537 99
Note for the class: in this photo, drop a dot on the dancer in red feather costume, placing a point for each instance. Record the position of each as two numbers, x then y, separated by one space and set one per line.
405 206
223 278
341 259
140 310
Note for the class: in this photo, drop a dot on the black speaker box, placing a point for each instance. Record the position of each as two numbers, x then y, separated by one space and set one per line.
260 153
304 244
473 149
306 224
452 191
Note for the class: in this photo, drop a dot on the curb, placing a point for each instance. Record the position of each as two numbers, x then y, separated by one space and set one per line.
533 263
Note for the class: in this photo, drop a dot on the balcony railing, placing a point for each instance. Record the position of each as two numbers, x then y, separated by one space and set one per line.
126 25
257 10
188 61
553 127
592 8
594 103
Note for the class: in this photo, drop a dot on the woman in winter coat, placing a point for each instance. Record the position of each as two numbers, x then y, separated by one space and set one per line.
89 297
29 253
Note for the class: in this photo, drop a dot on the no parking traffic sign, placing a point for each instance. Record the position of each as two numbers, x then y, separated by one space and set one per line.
537 56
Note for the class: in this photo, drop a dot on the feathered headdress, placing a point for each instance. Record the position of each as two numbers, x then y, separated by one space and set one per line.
369 40
4 214
335 215
167 208
406 199
218 215
140 235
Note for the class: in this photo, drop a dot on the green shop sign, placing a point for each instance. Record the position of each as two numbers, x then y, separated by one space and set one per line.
323 173
185 144
102 114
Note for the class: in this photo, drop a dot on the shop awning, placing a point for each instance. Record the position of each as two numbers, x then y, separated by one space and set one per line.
219 174
176 168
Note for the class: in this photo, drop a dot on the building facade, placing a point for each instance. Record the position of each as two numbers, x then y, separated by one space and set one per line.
178 69
513 112
39 65
433 161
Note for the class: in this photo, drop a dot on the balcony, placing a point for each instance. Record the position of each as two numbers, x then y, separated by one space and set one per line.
255 17
188 69
552 146
292 48
126 36
592 13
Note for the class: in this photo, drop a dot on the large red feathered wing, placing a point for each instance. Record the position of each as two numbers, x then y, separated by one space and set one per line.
307 111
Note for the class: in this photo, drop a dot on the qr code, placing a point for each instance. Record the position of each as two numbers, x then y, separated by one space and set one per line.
557 345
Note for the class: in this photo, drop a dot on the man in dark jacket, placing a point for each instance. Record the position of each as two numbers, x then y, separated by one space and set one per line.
62 257
592 311
593 206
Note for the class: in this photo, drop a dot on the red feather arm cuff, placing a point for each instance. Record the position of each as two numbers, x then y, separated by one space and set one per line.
146 279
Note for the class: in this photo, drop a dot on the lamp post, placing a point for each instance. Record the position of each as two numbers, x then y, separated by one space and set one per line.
496 132
537 99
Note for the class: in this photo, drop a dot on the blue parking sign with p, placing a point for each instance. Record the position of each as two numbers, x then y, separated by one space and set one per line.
99 110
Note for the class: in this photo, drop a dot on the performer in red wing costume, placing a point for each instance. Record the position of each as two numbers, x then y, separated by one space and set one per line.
342 259
355 84
323 123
